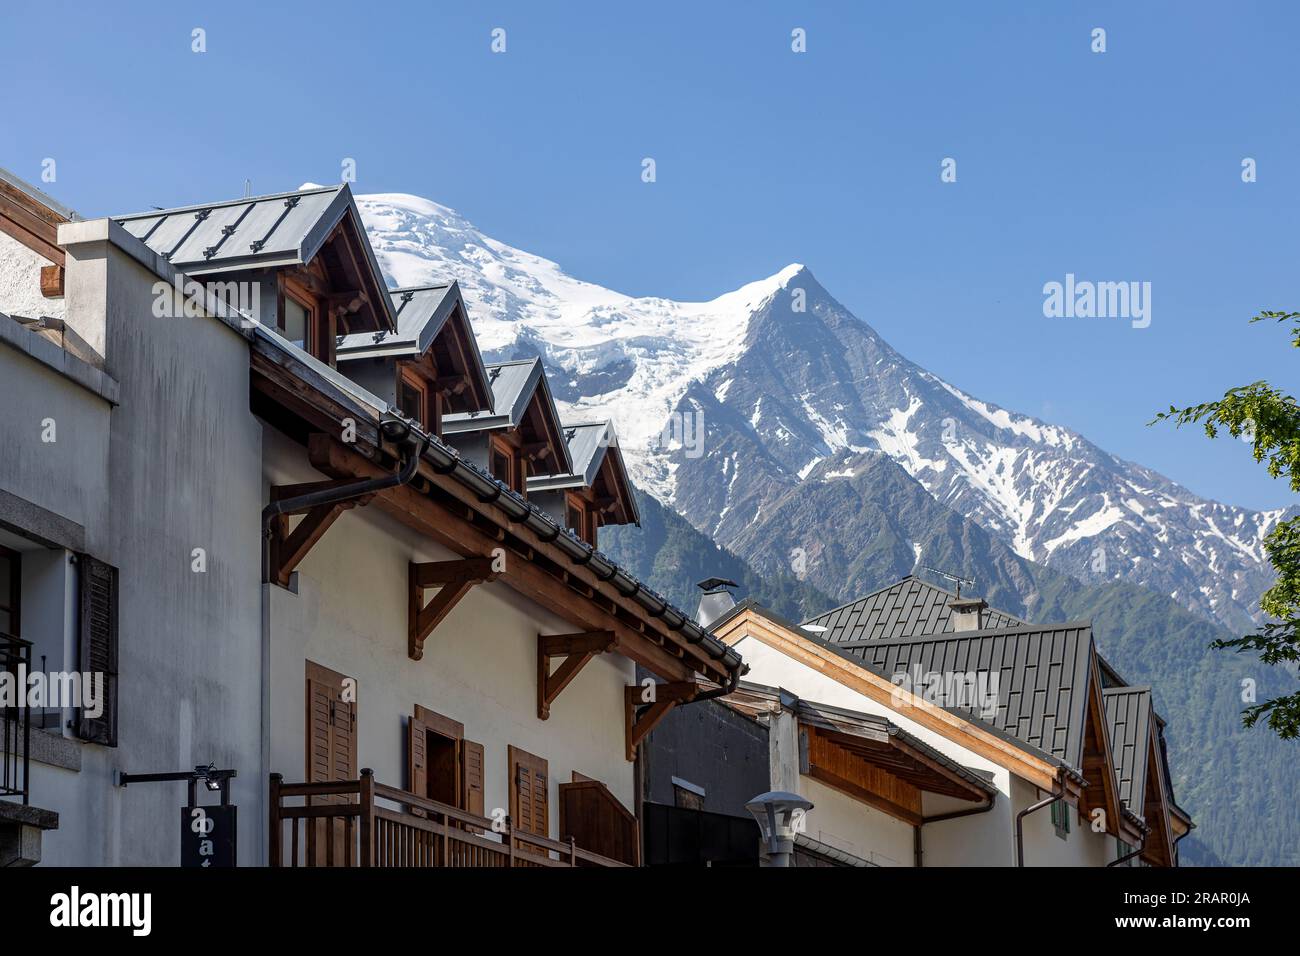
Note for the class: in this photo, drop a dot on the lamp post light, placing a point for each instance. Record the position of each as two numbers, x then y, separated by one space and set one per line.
780 817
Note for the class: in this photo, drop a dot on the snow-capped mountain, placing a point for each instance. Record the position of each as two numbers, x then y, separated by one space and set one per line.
791 392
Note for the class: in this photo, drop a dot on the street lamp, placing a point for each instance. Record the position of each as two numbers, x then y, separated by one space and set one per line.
780 817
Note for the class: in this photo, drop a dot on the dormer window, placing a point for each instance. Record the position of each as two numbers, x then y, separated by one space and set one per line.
299 319
297 322
417 399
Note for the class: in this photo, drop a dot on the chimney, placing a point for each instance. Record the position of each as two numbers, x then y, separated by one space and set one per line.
715 601
968 613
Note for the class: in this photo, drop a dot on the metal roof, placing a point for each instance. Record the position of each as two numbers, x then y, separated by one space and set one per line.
1043 675
1041 694
282 229
908 608
588 443
1128 713
421 314
513 384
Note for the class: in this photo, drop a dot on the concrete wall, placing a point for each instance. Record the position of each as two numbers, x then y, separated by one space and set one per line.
711 746
20 281
183 457
479 666
69 475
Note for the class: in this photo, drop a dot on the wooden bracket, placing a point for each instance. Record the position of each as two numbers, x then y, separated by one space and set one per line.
666 697
577 650
454 579
289 548
52 279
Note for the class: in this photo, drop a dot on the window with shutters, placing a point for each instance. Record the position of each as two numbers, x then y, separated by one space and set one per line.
529 792
441 764
97 646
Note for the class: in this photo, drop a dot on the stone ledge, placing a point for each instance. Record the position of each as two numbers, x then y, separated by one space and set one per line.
17 814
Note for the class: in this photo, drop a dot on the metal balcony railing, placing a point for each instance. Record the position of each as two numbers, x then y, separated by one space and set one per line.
15 718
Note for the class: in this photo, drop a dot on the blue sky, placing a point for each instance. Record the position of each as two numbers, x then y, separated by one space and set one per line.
1117 166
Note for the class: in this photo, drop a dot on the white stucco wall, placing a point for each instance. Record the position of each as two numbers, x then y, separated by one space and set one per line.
1080 847
850 825
479 666
20 281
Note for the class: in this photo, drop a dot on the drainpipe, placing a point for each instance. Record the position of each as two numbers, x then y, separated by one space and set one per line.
414 444
1053 797
1128 856
917 847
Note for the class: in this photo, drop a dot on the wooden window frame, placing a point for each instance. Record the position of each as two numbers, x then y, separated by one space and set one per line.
407 378
15 606
468 763
316 342
514 463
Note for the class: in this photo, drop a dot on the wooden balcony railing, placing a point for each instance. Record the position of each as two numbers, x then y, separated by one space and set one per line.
361 822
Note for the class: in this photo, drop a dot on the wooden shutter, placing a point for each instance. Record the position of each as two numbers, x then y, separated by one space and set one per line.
98 644
471 776
417 763
331 727
529 782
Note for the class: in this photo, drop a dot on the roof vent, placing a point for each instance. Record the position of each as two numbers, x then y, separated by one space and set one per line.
715 601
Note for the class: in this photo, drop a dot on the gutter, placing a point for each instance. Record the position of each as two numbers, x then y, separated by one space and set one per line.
415 445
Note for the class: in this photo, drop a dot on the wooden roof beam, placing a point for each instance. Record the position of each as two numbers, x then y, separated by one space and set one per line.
666 697
577 650
454 579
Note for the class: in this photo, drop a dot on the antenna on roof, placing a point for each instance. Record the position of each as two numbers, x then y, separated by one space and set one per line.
248 188
955 579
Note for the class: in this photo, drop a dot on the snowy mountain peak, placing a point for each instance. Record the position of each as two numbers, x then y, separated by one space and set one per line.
792 391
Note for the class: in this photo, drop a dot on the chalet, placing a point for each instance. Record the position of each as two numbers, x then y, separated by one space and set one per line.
291 568
595 491
1071 759
521 435
430 366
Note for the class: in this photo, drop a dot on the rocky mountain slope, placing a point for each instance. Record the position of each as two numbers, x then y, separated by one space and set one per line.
725 408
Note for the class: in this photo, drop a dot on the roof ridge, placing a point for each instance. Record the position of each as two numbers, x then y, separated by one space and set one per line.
170 210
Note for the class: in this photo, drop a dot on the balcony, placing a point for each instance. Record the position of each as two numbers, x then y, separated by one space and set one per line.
347 823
